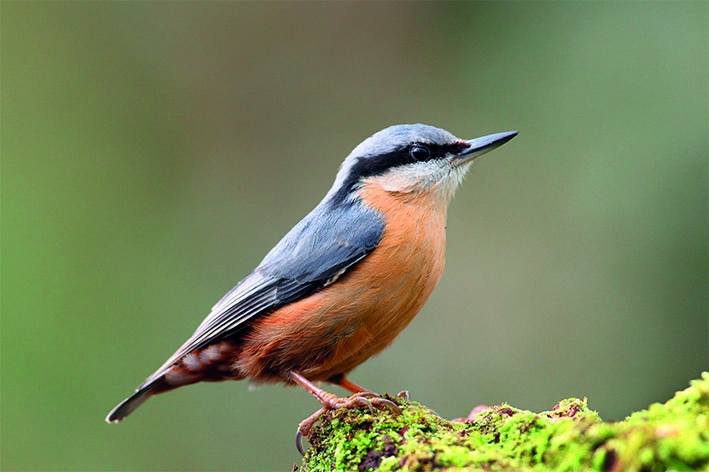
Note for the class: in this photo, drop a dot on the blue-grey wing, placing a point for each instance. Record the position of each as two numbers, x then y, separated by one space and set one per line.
326 243
330 239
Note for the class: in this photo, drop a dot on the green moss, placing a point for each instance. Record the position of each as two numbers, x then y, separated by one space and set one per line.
674 435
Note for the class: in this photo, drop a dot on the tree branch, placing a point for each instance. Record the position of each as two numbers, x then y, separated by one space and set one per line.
674 435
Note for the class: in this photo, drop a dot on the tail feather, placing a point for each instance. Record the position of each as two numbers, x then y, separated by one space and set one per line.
153 385
127 406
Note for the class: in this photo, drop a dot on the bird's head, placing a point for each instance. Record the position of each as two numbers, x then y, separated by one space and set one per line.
412 159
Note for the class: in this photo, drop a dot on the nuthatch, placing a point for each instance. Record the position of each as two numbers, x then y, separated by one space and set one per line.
343 283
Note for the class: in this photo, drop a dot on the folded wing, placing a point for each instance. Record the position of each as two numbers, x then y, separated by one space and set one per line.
326 243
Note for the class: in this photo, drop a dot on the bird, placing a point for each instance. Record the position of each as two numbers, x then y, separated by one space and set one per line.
342 283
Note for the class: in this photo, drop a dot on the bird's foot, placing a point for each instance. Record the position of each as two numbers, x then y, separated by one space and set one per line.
369 399
331 402
304 429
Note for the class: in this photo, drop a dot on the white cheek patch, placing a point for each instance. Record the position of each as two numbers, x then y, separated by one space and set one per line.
424 176
392 182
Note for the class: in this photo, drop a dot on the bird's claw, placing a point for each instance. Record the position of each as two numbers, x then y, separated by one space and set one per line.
375 401
404 395
299 442
389 404
363 401
367 394
304 429
369 399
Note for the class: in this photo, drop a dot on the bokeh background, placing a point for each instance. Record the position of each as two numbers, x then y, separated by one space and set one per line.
152 153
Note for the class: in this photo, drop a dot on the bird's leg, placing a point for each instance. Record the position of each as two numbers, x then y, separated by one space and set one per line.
347 384
333 402
343 382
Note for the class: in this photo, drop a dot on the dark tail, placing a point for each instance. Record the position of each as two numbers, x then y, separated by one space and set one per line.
127 406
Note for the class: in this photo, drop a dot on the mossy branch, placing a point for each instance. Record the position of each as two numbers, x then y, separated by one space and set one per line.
669 436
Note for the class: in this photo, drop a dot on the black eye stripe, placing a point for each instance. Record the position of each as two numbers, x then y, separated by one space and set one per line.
370 166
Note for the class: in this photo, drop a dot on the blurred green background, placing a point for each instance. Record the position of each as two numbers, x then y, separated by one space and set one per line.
152 153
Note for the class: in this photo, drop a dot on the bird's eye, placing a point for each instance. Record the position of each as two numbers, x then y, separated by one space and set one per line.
419 152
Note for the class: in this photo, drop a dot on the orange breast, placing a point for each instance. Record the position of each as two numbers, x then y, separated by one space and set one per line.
339 327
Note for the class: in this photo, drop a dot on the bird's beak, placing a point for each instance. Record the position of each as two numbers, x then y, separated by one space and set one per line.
479 146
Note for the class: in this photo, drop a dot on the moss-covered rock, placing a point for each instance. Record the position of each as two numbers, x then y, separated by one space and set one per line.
670 436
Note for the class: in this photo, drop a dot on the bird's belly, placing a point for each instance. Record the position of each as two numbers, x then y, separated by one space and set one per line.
361 313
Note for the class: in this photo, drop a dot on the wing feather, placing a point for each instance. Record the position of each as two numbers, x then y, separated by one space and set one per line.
325 244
